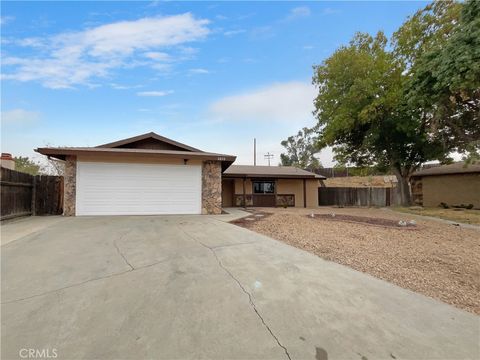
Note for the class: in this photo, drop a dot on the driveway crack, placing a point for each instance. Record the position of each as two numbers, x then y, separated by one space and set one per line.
250 298
85 282
121 254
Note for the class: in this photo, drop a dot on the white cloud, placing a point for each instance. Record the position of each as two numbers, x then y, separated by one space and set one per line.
284 102
155 93
262 32
330 11
299 12
19 117
124 87
156 55
4 20
72 58
234 32
199 71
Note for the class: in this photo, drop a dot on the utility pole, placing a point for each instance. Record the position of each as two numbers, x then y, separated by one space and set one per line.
268 156
254 152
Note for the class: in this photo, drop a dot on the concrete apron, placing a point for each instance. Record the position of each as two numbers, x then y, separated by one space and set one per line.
180 287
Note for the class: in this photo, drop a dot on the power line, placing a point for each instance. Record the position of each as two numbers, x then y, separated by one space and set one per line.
268 156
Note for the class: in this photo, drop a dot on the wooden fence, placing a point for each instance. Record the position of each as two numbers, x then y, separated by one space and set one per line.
369 196
23 194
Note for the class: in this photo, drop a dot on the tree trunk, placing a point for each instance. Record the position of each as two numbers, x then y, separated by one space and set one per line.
403 189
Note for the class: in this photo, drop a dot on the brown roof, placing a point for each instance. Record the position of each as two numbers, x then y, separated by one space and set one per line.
61 152
270 172
116 149
150 135
455 168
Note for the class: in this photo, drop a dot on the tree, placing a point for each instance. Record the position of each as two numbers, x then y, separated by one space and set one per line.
418 101
444 83
361 111
53 167
301 150
427 29
26 165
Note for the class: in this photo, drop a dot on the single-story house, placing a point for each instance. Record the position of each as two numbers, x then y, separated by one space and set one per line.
453 184
150 174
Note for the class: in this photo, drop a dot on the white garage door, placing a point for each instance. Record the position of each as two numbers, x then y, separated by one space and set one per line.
138 189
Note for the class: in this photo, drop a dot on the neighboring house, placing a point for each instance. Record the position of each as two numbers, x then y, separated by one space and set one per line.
142 175
453 184
269 186
6 161
150 174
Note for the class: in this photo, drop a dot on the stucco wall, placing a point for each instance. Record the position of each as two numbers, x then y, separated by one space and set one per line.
312 193
288 186
453 189
291 186
211 187
70 186
239 186
227 192
295 186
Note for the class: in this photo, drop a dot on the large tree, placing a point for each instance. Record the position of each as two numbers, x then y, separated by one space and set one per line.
416 101
444 80
361 110
301 150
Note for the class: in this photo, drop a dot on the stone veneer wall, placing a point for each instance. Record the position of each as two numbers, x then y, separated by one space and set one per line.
211 187
69 187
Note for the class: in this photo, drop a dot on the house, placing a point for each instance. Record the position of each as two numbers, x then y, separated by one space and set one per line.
150 174
453 184
245 185
6 161
142 175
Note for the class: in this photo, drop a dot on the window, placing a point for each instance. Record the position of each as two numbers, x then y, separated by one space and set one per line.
264 187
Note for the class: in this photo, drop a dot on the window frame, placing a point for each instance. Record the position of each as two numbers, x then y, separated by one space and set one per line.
274 186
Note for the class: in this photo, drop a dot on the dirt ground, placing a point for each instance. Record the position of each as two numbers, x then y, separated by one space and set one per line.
438 260
461 215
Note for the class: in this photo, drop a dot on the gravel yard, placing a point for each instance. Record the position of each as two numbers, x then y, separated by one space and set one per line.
435 259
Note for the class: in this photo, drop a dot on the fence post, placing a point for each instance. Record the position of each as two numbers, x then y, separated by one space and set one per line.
34 196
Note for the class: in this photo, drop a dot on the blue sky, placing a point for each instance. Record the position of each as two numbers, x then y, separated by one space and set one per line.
211 74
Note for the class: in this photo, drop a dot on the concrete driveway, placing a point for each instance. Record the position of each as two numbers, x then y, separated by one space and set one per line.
181 287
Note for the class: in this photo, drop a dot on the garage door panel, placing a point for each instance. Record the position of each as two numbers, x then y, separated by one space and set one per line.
137 189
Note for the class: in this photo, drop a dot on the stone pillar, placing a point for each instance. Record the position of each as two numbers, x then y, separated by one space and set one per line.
69 186
211 187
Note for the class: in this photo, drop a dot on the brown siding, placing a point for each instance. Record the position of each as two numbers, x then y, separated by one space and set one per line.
453 189
152 144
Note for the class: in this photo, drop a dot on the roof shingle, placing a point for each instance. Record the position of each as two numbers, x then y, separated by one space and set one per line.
270 171
455 168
